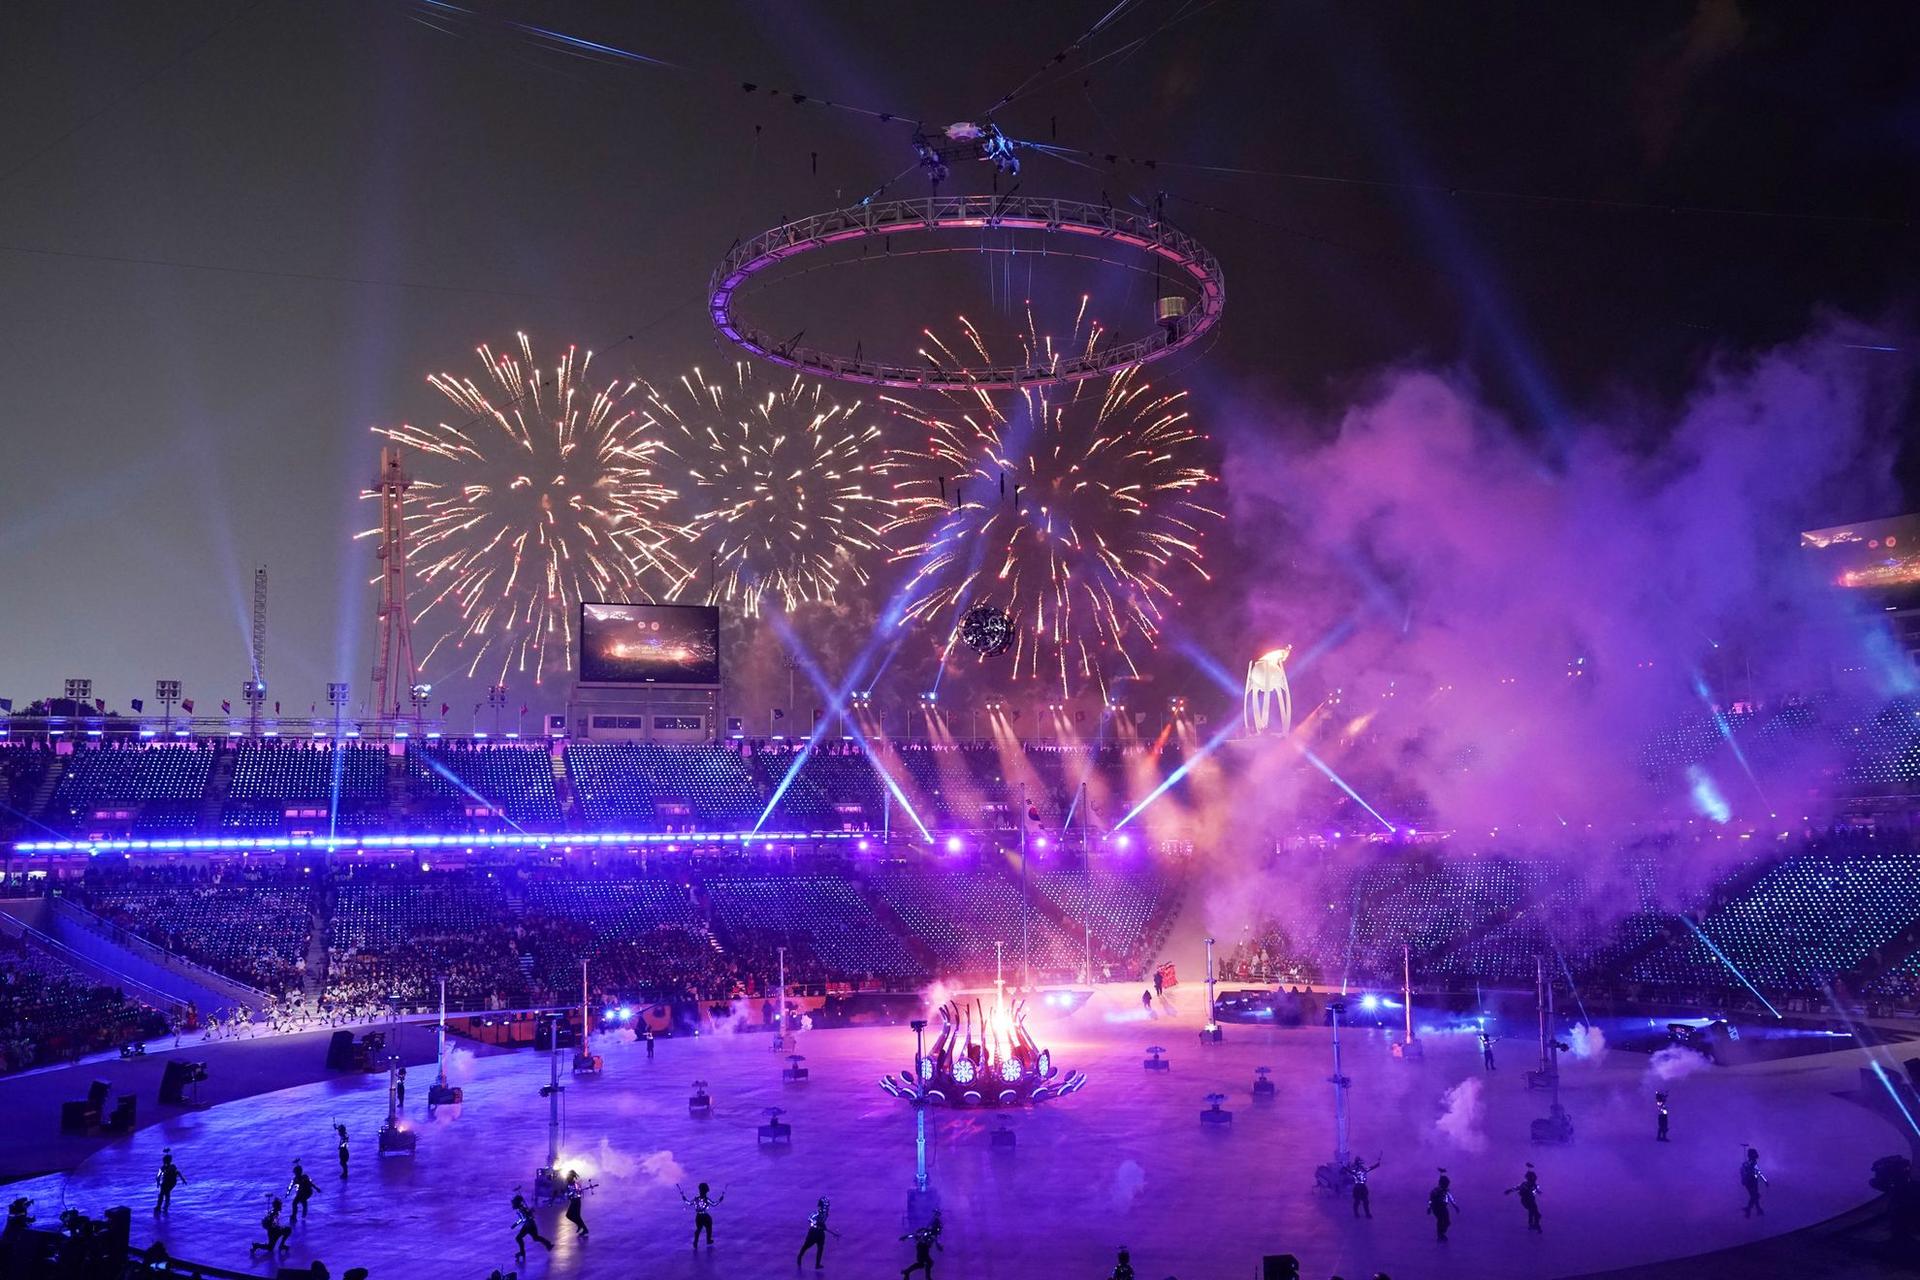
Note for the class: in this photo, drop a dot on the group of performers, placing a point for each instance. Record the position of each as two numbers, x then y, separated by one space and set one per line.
1442 1207
1441 1204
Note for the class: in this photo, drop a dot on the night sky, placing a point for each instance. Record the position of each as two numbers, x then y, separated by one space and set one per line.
233 236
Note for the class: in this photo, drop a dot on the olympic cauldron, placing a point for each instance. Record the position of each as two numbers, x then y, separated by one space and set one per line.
983 1057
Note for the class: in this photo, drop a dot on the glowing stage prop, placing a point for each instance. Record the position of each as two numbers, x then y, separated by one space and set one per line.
1268 701
983 1057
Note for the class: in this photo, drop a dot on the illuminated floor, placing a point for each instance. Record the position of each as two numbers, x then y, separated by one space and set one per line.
1125 1162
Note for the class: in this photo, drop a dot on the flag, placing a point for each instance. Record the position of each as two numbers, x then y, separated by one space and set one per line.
187 706
312 707
444 709
1033 813
100 705
226 707
276 706
476 708
137 705
1167 976
779 714
523 708
6 704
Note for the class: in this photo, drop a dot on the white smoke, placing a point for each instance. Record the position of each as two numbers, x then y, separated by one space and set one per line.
1461 1111
1128 1181
1675 1062
615 1163
1587 1043
461 1062
662 1168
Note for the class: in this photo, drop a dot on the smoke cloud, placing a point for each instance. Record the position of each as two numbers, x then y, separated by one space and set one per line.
1491 621
1128 1181
1587 1043
1510 615
1675 1062
1462 1109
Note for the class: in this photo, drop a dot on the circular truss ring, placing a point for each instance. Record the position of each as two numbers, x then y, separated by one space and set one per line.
1190 260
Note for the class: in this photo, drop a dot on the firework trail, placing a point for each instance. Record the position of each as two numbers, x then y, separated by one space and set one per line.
789 508
1070 506
547 496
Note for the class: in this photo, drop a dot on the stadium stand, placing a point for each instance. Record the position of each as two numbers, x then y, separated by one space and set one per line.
50 1013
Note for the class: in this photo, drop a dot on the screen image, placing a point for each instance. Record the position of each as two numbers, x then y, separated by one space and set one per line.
649 644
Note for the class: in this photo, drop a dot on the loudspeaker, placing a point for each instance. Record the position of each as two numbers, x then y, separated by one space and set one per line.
176 1079
121 1121
97 1094
77 1117
340 1051
119 1220
1279 1266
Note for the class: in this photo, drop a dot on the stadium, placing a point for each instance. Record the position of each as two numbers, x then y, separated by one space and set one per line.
992 781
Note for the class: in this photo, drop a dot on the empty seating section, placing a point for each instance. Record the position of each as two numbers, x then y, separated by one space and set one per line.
642 936
959 915
1119 905
295 786
480 785
162 784
252 926
825 918
52 1013
397 935
23 768
831 790
712 783
299 773
1805 922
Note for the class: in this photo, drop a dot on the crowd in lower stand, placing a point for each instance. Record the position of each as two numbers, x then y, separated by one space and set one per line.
51 1013
350 943
334 945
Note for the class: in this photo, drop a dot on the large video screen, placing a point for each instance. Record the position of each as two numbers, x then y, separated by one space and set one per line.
649 644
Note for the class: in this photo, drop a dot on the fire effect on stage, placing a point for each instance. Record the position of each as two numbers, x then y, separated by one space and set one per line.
983 1057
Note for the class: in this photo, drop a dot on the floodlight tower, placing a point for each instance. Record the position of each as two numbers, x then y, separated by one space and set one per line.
260 626
394 672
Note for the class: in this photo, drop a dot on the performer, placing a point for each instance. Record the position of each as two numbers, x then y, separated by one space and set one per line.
925 1241
302 1187
1122 1267
817 1232
19 1221
702 1205
1146 1002
277 1232
1442 1205
649 1039
400 1088
525 1228
1660 1112
1752 1179
1362 1197
1486 1051
575 1191
341 1131
167 1178
1529 1191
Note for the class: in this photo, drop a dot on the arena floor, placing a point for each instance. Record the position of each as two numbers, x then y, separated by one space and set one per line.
1125 1162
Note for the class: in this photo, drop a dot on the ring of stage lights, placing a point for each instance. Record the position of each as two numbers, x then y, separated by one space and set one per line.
1190 262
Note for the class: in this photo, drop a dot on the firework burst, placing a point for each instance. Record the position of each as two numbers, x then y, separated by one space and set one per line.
1070 506
546 496
789 507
